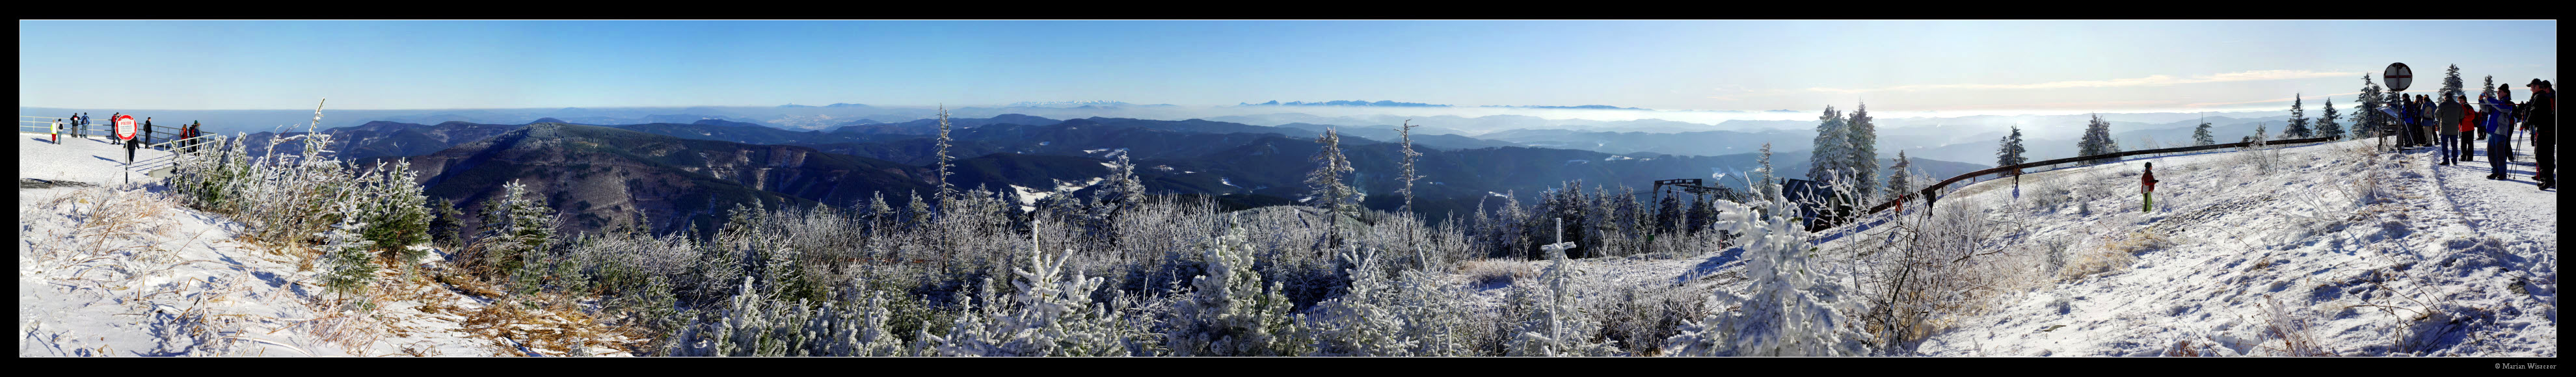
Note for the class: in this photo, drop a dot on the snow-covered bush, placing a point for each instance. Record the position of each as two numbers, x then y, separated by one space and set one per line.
352 262
1558 326
1049 314
1796 307
754 325
1414 313
1228 313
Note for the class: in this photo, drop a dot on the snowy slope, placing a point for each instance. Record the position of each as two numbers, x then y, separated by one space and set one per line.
123 270
2436 261
2444 264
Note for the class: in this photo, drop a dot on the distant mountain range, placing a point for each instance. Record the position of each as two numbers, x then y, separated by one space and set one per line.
677 177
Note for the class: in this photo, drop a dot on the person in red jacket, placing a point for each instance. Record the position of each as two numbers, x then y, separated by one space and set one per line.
2468 130
2148 186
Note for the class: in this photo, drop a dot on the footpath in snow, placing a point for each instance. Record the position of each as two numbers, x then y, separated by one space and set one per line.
113 269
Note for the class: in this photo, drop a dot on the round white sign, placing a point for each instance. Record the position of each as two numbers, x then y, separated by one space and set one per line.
2398 76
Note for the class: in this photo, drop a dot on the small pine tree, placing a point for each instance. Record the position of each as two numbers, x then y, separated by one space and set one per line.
2097 139
1558 326
2326 126
2010 153
2451 83
1898 181
2298 120
1229 313
1795 305
1328 190
351 260
2200 135
1762 176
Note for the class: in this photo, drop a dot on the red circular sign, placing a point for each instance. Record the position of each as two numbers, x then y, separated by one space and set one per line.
125 127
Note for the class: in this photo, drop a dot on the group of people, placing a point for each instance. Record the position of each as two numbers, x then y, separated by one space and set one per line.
79 124
2453 124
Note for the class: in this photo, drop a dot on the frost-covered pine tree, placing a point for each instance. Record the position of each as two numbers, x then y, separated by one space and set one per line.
1794 306
2010 153
394 213
352 261
941 177
1327 189
1862 133
2298 119
1406 132
1833 144
2097 139
2200 135
2366 118
2451 83
1049 314
1557 326
1898 181
1124 191
2326 126
1362 322
1228 313
514 224
1762 176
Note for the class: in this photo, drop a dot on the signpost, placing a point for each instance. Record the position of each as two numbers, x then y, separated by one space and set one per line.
125 127
2398 78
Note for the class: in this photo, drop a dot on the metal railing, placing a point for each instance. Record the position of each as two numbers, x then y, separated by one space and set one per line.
1933 191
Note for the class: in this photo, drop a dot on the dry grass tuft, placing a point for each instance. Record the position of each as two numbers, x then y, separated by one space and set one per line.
1493 272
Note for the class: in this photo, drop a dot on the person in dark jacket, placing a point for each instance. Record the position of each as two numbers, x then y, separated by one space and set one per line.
2446 119
2543 119
146 135
2147 187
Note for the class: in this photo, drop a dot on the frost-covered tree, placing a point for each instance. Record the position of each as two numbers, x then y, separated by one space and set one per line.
2366 118
2097 139
1413 314
2326 126
2010 153
941 178
1327 190
2298 119
352 261
1794 306
1123 192
1762 176
1228 313
1833 146
395 218
2200 135
1406 132
1862 133
1049 314
515 224
1557 325
1898 181
2451 83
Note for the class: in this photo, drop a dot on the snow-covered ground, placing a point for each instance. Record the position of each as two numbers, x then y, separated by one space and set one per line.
2435 261
112 269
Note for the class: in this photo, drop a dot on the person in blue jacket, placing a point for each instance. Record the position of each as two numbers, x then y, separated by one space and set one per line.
2499 124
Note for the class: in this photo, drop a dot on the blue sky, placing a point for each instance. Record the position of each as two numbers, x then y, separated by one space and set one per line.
1945 66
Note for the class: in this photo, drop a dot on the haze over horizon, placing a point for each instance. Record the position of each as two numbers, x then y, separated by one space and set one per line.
1898 67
